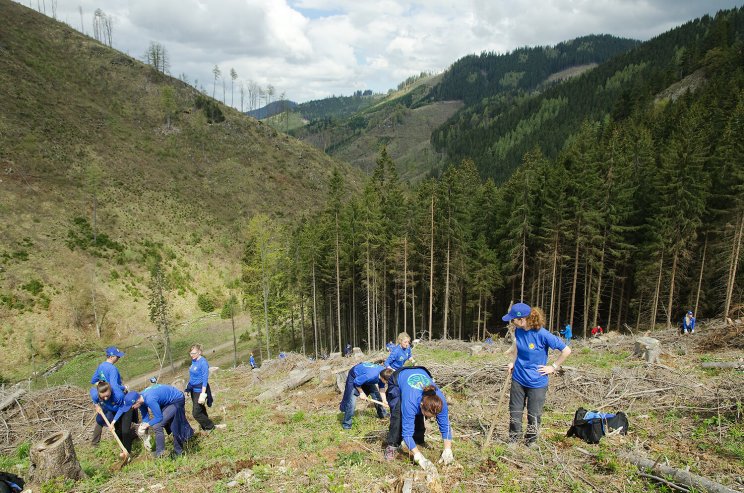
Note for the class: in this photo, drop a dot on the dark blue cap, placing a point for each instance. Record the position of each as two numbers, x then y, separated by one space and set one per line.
113 351
518 310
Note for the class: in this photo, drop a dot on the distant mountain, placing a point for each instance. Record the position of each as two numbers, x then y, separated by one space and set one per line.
271 109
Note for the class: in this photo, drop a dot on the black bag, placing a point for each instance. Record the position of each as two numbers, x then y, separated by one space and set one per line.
592 427
10 482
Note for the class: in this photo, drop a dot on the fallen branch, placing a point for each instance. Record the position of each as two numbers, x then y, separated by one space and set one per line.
12 398
684 478
725 364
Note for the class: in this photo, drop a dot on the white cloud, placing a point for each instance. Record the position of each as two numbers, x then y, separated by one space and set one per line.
314 48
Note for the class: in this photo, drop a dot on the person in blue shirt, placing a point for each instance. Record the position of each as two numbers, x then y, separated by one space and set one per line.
567 334
252 361
530 369
107 372
413 396
347 350
198 388
400 353
102 396
489 340
389 346
363 380
688 324
168 408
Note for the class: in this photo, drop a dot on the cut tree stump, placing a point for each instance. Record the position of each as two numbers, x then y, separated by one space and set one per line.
648 348
296 378
53 457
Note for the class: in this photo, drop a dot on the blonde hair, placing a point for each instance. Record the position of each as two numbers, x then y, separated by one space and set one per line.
403 336
197 347
536 319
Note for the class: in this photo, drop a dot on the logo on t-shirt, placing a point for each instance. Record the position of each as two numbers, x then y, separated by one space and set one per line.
532 345
418 381
368 365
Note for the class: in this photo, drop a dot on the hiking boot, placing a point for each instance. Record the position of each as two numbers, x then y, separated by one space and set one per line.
389 453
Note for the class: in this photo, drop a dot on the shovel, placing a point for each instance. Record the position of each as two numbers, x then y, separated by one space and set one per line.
125 460
376 402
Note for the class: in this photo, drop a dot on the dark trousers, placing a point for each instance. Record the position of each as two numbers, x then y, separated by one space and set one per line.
169 412
395 431
123 428
534 399
200 412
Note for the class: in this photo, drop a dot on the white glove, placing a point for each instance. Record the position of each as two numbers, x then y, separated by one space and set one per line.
142 429
447 458
202 398
422 461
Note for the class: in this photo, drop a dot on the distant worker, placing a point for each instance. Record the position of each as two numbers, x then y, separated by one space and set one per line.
688 324
413 396
389 346
597 331
400 353
198 388
530 369
282 355
347 350
107 372
489 340
252 361
363 380
167 405
567 334
121 423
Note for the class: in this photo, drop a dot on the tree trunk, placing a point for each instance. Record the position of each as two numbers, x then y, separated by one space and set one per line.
736 250
446 291
315 314
431 271
700 279
369 307
338 287
691 481
54 457
405 284
609 311
413 312
575 281
235 339
671 290
599 283
655 303
302 321
553 322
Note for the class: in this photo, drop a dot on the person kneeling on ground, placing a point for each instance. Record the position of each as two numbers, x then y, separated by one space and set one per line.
103 400
363 380
413 396
167 405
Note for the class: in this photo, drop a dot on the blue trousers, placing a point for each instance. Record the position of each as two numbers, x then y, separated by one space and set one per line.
174 421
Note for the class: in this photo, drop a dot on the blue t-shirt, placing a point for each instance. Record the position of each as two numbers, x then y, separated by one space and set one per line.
156 398
107 372
532 351
368 373
412 382
398 357
198 374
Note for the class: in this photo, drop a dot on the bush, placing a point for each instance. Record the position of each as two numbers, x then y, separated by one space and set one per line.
205 303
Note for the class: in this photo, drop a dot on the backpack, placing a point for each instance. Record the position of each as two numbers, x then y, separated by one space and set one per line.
10 482
591 426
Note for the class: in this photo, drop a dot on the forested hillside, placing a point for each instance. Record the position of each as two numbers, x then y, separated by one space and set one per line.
497 131
111 170
638 218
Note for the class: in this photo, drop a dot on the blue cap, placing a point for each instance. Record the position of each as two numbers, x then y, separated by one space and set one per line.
518 310
113 351
129 399
689 313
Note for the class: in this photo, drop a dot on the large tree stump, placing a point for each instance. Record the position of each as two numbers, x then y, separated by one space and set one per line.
648 348
53 457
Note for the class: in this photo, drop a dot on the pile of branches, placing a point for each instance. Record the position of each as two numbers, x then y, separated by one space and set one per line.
723 335
40 413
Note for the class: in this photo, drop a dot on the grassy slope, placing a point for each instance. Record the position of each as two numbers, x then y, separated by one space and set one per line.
296 443
70 106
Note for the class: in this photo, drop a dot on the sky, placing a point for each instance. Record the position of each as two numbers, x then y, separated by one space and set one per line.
312 49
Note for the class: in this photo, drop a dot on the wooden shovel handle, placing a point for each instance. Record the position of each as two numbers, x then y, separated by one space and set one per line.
108 425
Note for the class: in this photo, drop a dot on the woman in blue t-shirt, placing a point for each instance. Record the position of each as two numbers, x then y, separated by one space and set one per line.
530 369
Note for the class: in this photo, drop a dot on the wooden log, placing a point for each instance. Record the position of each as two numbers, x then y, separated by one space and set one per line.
54 457
685 478
296 378
724 364
14 396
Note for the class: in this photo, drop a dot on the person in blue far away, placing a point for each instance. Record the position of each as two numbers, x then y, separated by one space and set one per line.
198 387
363 380
400 353
107 372
688 324
389 346
168 407
530 369
567 334
413 396
252 361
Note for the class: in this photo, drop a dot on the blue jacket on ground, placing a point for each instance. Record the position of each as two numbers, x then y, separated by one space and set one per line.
156 398
198 374
532 351
107 372
398 357
411 383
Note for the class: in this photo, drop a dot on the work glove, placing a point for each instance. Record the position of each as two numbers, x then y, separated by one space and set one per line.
142 429
447 458
203 398
422 461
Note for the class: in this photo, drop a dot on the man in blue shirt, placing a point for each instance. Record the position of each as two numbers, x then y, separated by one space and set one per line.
364 377
567 334
107 372
167 406
252 361
400 353
413 396
199 389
